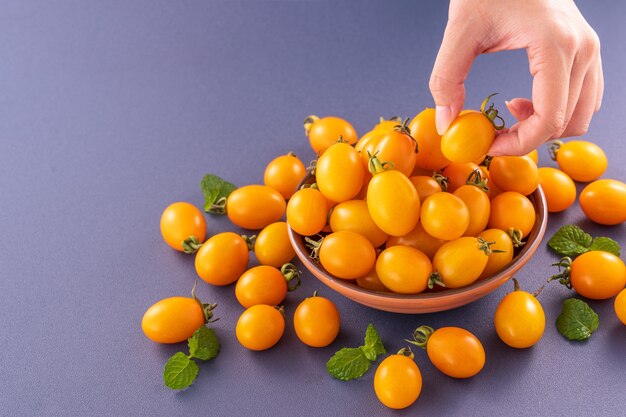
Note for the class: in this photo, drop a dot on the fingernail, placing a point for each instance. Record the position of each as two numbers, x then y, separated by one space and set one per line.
442 118
507 103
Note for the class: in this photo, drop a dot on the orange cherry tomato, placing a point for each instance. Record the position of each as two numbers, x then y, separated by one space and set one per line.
534 155
458 174
172 320
353 215
394 146
316 321
339 172
604 202
272 245
595 274
429 155
284 174
255 206
324 132
468 138
419 239
347 254
263 284
558 187
512 210
514 173
307 211
260 327
222 258
425 186
582 160
478 205
620 306
403 269
497 260
182 221
461 261
445 216
370 281
519 319
397 381
492 189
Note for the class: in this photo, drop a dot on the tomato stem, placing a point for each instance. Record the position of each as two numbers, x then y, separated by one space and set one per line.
485 246
391 119
314 246
375 166
207 308
441 180
308 122
404 129
341 140
311 168
516 236
554 148
291 273
491 113
435 279
421 336
249 241
281 309
515 285
191 244
563 277
406 352
219 207
476 178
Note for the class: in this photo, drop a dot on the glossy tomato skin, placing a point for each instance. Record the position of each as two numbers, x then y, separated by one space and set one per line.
478 205
598 275
403 269
497 260
326 131
260 327
512 210
458 173
307 211
261 284
391 146
534 156
347 254
397 381
468 138
519 319
255 206
425 186
419 239
582 160
339 173
445 216
456 352
272 245
179 221
514 173
393 202
370 281
353 215
172 320
620 306
424 131
222 258
284 173
558 187
604 202
460 262
316 321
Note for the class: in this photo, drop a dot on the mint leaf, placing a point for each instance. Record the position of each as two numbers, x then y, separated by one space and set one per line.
203 344
570 240
373 340
605 244
215 191
577 320
369 352
179 371
347 364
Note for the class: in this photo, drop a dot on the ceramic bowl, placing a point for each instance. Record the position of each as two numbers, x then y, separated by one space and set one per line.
429 302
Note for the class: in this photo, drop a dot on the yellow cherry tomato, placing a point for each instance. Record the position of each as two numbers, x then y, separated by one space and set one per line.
429 155
425 186
316 321
478 205
394 146
347 254
419 239
183 222
255 206
353 215
582 160
468 138
397 381
222 258
620 306
595 274
403 269
272 245
604 202
445 216
512 210
172 320
284 173
461 261
514 173
558 187
264 284
307 211
322 133
339 172
502 251
260 327
534 155
457 174
519 319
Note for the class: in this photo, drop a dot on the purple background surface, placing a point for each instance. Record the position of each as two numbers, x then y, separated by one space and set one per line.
109 111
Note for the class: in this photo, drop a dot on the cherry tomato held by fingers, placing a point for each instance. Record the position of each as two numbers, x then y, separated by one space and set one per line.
222 258
272 245
534 155
445 216
620 306
514 173
519 319
398 380
183 227
582 160
307 211
266 284
255 206
502 251
419 239
323 132
260 327
461 261
478 205
454 351
392 200
404 269
596 275
353 215
339 172
558 187
284 173
604 202
395 146
429 155
512 210
345 254
316 321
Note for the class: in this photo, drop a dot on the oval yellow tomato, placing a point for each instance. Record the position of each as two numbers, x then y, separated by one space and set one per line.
353 215
393 202
339 173
255 206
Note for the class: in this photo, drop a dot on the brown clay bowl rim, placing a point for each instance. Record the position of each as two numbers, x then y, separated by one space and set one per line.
490 283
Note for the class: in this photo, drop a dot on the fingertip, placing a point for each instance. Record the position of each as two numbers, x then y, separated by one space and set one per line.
443 118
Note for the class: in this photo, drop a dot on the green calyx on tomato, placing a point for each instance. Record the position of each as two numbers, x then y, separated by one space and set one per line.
291 273
421 336
491 113
249 241
375 165
516 287
207 308
314 246
477 179
404 129
308 122
191 244
563 277
406 352
554 147
442 180
391 119
516 236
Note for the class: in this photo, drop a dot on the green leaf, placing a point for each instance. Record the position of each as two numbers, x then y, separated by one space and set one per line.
347 364
204 344
577 320
369 352
570 240
373 340
179 371
605 244
215 191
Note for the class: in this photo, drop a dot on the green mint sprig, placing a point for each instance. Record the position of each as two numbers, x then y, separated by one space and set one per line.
577 320
572 241
351 363
216 191
180 371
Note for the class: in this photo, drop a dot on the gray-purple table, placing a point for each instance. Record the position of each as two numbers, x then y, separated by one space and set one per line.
111 110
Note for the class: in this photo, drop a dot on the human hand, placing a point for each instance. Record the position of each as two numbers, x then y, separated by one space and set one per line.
564 57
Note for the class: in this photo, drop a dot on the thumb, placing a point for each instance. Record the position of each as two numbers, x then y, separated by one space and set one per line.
458 50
